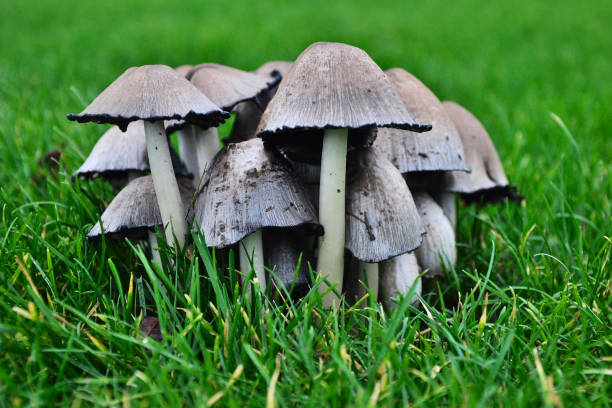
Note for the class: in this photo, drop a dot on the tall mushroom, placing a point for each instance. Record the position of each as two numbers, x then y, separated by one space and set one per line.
333 87
155 93
247 188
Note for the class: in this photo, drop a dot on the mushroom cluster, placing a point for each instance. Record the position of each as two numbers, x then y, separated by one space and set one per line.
331 162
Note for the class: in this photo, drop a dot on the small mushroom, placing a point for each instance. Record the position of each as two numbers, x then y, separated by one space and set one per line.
333 87
382 220
155 93
247 188
438 248
134 212
119 157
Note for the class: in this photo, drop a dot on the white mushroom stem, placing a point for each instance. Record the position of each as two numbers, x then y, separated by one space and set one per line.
164 181
154 248
370 273
448 202
187 150
332 191
251 253
207 145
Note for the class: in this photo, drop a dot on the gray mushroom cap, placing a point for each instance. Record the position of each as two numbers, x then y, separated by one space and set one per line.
333 85
439 149
487 179
227 86
116 153
382 220
151 92
248 187
134 210
439 241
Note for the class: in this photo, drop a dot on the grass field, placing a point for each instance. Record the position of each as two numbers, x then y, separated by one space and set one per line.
525 320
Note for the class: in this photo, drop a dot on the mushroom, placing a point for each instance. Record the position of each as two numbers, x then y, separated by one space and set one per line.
247 188
226 87
134 212
155 93
439 150
119 157
382 220
438 247
333 87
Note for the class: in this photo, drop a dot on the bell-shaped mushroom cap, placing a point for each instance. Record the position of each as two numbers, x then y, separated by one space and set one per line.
333 85
183 70
382 220
399 275
487 179
134 210
248 187
151 92
282 67
227 86
116 153
282 250
439 240
438 149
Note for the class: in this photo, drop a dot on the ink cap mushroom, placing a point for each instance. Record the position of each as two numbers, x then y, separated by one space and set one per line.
331 88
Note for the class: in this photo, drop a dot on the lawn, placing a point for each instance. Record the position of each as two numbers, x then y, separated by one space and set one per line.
524 319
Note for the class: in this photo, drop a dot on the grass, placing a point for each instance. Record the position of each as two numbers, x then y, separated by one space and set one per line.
524 320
